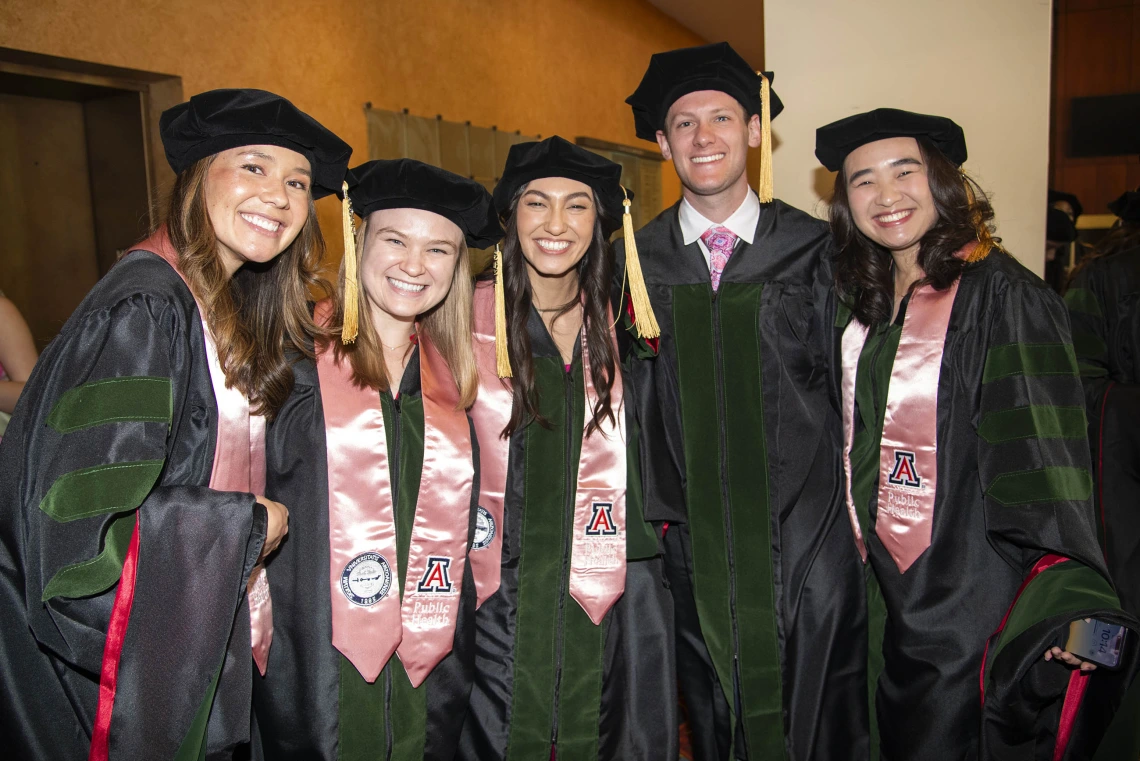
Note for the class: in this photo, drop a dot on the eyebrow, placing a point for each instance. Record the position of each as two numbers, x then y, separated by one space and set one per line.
394 231
545 197
267 157
896 163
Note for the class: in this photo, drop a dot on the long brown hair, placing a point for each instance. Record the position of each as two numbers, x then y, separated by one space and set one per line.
864 270
253 314
595 270
447 325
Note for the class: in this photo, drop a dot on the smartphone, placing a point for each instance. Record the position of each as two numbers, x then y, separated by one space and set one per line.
1097 641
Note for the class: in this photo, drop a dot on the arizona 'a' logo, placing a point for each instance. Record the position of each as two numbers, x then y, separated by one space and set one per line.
904 473
602 520
437 577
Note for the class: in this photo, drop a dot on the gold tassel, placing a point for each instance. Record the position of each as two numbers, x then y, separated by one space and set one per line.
766 189
646 321
986 241
351 283
502 356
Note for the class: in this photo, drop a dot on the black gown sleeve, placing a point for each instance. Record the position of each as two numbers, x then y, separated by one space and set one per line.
113 430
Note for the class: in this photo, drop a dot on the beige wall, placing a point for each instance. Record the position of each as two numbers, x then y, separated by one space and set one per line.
983 63
556 66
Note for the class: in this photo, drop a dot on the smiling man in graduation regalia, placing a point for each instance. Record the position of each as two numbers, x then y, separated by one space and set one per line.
742 440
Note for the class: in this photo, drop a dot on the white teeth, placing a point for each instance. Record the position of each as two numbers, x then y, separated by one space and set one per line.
406 287
553 245
265 224
707 159
894 217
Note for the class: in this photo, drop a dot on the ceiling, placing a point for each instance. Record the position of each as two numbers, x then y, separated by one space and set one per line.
739 22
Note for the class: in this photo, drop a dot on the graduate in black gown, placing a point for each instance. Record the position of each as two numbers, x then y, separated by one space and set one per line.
374 451
1104 304
574 633
969 481
132 474
742 438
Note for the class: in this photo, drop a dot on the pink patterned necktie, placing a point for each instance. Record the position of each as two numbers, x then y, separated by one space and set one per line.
720 241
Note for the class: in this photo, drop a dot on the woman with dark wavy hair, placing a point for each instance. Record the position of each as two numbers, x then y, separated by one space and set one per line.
574 645
969 489
133 525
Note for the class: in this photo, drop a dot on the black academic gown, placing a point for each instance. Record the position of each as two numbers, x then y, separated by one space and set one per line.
1013 485
742 440
1104 304
312 702
117 422
545 673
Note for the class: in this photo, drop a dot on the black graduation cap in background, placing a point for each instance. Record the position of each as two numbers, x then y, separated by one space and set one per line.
1127 206
218 120
1069 198
411 184
835 141
557 157
677 73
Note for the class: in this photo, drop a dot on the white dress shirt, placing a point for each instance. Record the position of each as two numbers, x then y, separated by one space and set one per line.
742 222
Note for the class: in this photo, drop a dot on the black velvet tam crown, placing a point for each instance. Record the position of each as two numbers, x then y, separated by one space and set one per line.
218 120
411 184
1127 206
835 141
677 73
1069 198
556 157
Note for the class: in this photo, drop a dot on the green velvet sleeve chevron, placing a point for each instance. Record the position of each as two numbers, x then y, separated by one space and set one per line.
1033 455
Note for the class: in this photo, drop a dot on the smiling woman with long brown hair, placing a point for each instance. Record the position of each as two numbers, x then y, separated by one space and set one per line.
132 515
966 458
574 643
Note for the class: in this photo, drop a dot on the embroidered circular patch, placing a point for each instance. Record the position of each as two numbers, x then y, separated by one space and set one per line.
484 529
366 579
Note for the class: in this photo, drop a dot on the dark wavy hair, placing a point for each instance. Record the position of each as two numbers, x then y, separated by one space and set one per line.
260 315
595 272
864 270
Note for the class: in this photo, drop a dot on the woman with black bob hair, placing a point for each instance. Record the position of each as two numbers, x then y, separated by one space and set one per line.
574 645
969 486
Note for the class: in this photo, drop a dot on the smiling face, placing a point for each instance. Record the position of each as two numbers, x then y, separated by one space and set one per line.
888 191
555 221
707 136
408 261
257 197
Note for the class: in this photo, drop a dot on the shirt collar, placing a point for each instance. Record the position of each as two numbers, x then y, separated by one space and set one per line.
742 222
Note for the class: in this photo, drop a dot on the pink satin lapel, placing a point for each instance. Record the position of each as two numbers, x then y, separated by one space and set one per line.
362 531
908 467
597 557
438 549
490 415
239 458
854 338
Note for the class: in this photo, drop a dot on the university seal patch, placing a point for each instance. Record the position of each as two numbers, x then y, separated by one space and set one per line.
366 579
484 529
904 473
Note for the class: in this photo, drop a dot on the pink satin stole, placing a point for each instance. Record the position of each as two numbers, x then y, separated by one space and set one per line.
908 453
597 559
490 415
369 622
239 457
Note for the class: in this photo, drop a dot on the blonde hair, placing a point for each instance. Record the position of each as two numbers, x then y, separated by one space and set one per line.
447 325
